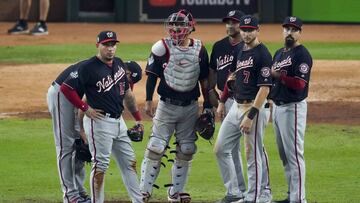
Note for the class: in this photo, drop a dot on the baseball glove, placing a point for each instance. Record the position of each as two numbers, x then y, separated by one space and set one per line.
136 133
205 125
82 151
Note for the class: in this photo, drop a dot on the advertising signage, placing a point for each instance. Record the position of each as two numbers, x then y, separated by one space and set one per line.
202 10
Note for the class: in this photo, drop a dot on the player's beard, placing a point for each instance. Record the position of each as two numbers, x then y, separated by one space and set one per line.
289 42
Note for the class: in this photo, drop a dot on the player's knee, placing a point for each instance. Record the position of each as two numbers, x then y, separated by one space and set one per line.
155 148
185 151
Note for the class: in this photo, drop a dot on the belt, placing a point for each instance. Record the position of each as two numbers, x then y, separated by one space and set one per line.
109 115
244 101
278 103
177 102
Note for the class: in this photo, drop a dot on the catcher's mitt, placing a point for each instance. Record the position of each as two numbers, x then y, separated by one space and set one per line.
205 125
82 151
136 133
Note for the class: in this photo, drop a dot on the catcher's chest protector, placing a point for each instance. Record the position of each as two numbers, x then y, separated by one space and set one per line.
183 69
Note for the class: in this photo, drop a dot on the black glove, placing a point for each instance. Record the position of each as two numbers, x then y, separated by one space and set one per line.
205 125
136 133
82 151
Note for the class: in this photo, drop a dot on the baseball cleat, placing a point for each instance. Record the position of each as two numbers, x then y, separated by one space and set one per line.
39 29
146 197
19 28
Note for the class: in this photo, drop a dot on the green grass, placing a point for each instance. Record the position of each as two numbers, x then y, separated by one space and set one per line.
28 166
140 52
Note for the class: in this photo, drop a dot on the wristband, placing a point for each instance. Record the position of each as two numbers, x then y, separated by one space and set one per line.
252 113
84 107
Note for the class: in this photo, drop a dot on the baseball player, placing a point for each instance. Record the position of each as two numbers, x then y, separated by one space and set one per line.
180 62
223 55
66 131
291 72
103 79
248 114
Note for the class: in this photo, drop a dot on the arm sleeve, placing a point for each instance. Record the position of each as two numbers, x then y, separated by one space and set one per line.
73 97
225 94
150 86
213 64
204 63
292 82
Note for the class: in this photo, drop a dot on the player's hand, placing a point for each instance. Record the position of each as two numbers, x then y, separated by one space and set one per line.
149 109
94 113
245 125
221 110
275 73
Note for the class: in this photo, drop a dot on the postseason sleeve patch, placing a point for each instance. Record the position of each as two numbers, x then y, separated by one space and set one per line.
74 74
304 68
265 72
151 60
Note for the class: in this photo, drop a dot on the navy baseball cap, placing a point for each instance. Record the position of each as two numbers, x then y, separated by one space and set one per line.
135 69
106 36
233 15
249 21
292 21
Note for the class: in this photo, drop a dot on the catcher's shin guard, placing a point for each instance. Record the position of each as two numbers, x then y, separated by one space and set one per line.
179 174
149 171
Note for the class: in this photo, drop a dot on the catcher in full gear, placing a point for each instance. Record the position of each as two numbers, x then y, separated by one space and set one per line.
180 62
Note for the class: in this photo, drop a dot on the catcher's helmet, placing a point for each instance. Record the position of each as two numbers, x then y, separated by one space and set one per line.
205 125
179 25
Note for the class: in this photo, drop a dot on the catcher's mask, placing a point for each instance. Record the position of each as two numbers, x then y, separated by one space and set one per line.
205 125
179 25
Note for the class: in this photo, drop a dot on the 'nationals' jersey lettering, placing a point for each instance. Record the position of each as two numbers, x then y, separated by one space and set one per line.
106 83
279 64
247 63
224 61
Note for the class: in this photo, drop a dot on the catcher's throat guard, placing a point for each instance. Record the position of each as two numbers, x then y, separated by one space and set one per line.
205 125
